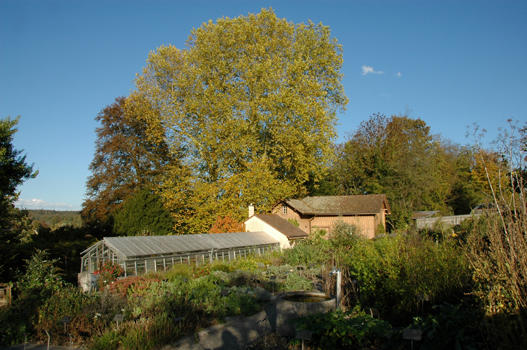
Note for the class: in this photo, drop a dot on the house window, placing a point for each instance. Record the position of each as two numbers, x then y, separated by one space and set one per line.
284 209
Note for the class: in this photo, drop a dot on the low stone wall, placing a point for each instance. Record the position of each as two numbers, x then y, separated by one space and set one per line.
233 335
287 311
239 332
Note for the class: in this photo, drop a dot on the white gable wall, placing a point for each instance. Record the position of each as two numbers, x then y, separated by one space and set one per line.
254 224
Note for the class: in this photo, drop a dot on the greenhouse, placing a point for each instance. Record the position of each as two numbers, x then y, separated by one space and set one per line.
138 255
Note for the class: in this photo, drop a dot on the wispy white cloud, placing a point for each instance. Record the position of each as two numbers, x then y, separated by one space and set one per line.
370 70
36 203
398 74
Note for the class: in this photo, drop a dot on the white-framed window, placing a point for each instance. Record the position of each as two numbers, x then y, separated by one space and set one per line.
284 209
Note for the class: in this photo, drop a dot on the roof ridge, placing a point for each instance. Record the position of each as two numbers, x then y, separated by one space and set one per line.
345 195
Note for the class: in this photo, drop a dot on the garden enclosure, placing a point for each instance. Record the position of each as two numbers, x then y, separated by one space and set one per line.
138 255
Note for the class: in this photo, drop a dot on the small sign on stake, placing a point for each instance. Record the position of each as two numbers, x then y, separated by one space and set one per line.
118 318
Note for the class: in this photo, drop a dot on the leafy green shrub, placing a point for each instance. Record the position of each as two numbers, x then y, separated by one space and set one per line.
404 275
41 278
40 281
16 323
147 333
343 230
346 330
289 278
221 266
295 281
179 270
239 301
109 340
451 327
247 264
307 252
68 312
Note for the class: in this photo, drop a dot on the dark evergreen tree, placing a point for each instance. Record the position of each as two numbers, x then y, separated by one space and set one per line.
142 214
13 223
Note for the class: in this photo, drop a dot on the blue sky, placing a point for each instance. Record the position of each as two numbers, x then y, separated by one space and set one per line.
451 63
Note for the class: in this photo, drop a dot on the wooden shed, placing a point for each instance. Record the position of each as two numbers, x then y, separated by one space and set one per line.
366 212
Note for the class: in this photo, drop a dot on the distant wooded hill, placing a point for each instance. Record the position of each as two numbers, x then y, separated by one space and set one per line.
55 219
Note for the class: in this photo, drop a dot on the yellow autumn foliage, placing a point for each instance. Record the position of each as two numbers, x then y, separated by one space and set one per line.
250 105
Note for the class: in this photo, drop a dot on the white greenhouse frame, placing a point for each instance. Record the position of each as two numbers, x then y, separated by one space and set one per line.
138 255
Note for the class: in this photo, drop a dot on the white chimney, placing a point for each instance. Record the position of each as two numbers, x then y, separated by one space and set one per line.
251 210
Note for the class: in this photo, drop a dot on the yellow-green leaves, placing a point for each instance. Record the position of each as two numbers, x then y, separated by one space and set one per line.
252 103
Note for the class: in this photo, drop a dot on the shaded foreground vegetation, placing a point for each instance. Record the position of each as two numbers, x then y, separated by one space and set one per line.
416 280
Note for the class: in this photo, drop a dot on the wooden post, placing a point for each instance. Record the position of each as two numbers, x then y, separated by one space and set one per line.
135 267
97 258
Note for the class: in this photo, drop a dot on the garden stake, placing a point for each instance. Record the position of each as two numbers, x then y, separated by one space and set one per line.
338 286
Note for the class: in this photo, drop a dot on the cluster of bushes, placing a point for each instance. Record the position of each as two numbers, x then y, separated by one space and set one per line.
142 311
399 276
440 285
461 290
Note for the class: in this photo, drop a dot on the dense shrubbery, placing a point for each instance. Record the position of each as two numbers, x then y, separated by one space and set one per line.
450 326
418 281
155 309
164 306
406 280
347 330
40 281
400 276
403 276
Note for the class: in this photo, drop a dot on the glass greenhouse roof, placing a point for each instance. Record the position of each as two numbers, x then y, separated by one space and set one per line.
142 246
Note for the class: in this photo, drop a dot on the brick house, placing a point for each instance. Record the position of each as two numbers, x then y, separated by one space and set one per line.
366 212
